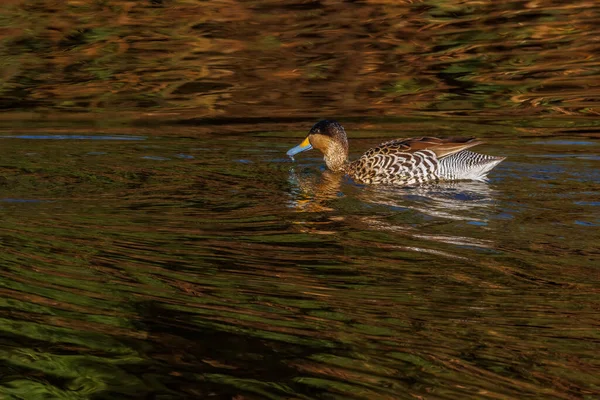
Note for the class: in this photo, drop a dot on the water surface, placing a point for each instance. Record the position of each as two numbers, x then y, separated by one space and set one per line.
295 59
156 242
213 267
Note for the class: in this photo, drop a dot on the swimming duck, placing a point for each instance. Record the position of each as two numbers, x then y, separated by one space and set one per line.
401 161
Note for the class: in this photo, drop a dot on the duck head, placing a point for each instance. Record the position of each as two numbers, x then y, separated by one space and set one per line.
329 137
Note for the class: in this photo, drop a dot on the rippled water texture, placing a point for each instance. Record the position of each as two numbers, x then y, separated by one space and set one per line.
156 242
272 58
210 266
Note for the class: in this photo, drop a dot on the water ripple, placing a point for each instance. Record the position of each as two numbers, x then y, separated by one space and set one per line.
208 277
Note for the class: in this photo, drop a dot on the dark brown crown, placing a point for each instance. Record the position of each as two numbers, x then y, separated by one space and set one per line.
329 128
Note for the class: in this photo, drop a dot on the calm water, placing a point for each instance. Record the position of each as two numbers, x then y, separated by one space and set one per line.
167 263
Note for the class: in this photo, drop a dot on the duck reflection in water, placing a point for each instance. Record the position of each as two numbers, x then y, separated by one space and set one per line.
461 200
333 198
311 193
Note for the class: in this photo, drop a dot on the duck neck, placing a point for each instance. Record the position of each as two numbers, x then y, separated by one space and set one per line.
337 156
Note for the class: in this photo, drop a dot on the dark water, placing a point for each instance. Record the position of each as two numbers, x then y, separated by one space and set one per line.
170 264
156 243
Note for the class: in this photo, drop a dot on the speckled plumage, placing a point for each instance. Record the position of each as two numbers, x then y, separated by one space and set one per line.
403 162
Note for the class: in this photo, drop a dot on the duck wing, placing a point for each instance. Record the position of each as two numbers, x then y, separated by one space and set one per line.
441 147
406 161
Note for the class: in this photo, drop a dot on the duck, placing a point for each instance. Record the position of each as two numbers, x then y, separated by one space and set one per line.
405 162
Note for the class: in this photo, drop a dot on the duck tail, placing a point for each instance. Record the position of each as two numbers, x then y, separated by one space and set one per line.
467 165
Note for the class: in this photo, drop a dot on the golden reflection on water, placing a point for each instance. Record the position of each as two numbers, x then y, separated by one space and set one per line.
267 59
311 193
